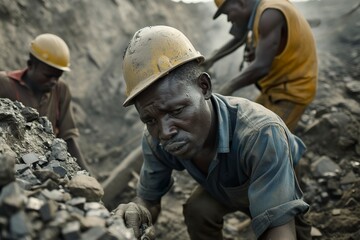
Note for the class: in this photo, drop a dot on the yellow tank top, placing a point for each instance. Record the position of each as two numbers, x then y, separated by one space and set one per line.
293 75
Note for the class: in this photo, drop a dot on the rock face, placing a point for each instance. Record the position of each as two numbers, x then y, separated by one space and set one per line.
44 195
97 33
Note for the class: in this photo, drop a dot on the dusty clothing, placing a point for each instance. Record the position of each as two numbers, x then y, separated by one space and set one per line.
55 105
252 171
293 75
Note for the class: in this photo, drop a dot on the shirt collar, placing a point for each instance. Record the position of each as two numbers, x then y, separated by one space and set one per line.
223 123
17 75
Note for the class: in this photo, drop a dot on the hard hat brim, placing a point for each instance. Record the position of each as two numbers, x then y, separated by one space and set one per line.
130 99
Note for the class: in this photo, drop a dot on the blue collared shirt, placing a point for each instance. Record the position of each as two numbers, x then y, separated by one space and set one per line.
253 170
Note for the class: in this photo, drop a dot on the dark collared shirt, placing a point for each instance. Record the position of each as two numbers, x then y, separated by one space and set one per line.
253 170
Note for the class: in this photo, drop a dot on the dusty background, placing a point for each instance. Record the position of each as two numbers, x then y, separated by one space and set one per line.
97 33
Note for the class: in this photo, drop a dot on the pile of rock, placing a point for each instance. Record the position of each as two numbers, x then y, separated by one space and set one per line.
44 195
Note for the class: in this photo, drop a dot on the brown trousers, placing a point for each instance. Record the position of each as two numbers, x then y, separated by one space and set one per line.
289 112
204 218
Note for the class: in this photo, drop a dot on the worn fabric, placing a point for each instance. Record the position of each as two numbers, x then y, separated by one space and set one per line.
55 105
293 75
253 170
289 112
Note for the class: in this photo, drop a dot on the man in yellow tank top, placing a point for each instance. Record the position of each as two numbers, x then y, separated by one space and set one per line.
281 52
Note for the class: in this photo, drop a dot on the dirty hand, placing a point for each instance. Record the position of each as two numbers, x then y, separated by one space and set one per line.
135 216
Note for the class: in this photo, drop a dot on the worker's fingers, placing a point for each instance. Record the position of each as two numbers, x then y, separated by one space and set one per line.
132 220
120 210
149 234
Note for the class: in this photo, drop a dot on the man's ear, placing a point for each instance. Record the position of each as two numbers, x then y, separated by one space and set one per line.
204 82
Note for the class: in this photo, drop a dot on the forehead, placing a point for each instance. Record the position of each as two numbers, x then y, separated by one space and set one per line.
164 93
43 67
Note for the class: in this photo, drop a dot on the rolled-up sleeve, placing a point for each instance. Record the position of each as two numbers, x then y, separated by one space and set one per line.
274 194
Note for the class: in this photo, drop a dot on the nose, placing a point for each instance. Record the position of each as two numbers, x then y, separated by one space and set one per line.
54 79
167 129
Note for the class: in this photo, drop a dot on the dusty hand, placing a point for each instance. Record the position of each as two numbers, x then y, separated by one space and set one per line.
135 216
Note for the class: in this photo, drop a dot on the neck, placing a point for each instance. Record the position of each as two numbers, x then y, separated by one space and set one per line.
28 82
203 159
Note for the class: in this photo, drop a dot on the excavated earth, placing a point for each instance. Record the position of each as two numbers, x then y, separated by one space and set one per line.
97 33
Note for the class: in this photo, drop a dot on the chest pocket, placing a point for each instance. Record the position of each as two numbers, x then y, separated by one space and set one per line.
238 196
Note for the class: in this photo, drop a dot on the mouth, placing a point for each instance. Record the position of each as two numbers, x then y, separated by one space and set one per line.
175 148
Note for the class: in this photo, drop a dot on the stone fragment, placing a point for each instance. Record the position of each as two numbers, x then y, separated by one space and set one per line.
48 210
34 203
86 186
324 167
353 87
55 194
92 221
21 167
71 230
46 125
30 114
30 158
59 149
315 232
8 160
349 178
29 176
19 225
60 171
45 174
12 198
78 202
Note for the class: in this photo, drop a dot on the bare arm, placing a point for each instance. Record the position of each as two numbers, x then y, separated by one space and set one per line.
283 232
271 24
225 50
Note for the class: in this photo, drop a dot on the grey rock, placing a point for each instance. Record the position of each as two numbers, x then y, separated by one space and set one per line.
86 186
324 166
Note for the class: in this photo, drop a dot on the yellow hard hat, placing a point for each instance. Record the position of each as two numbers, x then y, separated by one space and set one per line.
152 53
51 50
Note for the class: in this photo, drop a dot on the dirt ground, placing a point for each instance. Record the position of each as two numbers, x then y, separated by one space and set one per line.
330 127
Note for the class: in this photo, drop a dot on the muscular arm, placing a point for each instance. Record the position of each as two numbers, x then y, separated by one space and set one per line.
271 25
283 232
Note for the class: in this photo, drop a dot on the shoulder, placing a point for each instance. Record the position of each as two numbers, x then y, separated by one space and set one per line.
63 89
3 76
248 113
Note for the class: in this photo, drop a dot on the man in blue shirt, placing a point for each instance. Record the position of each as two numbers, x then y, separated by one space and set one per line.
241 154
